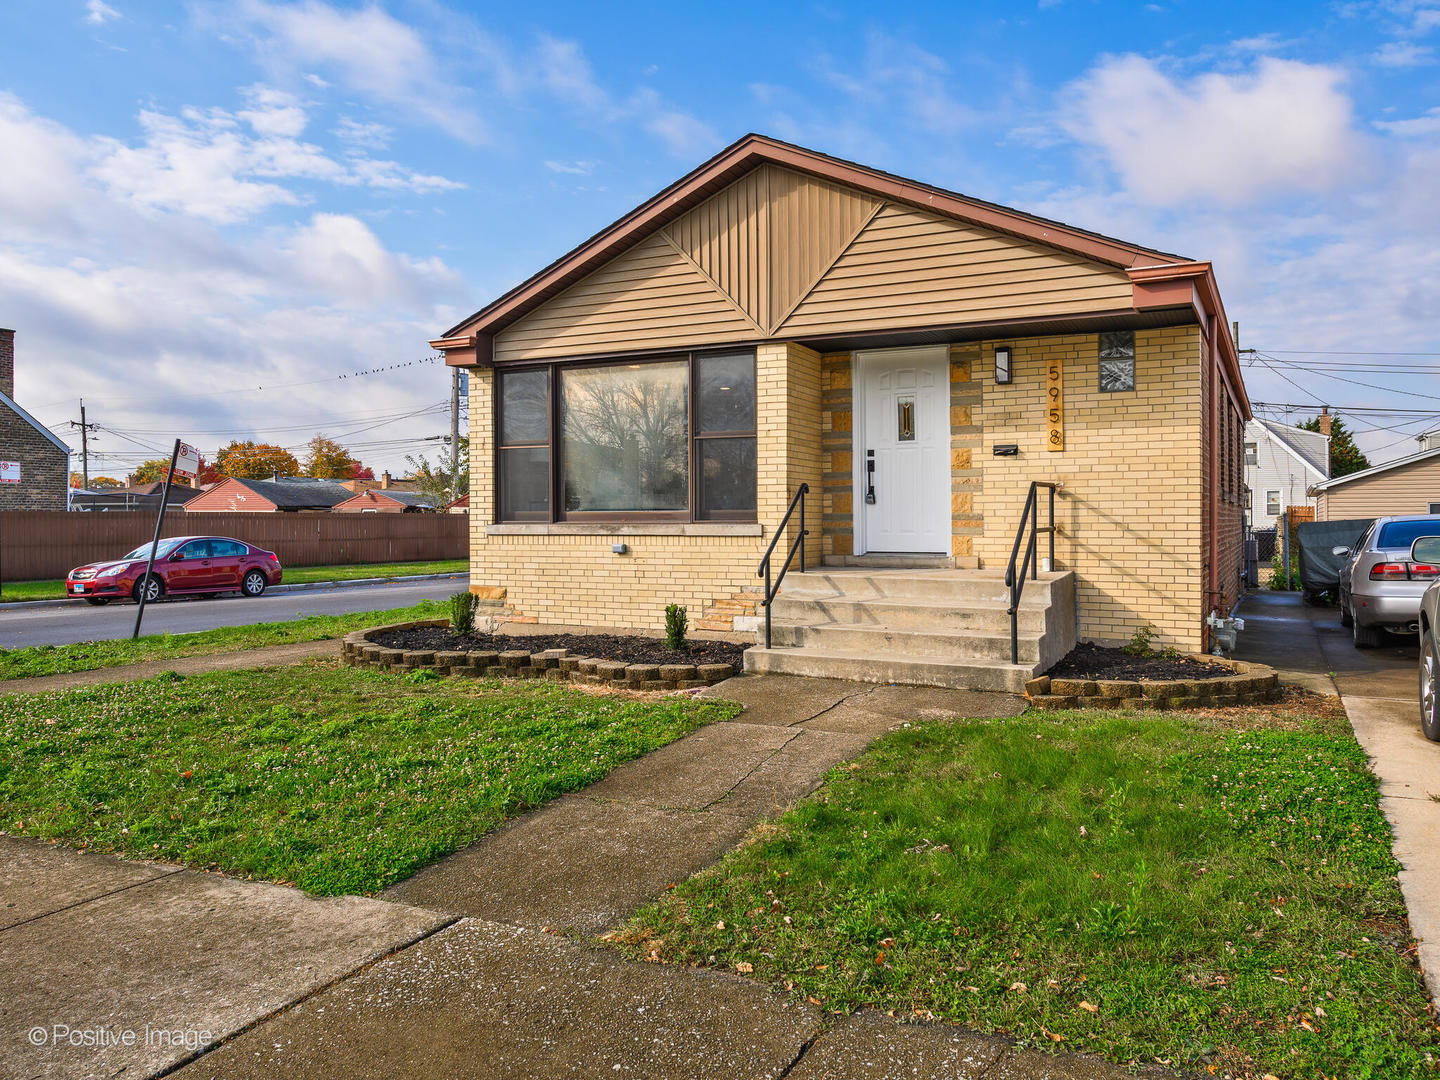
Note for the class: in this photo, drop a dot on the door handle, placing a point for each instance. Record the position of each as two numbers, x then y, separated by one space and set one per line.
870 477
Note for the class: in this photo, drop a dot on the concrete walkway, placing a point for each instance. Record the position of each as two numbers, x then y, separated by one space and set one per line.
452 974
265 656
1380 691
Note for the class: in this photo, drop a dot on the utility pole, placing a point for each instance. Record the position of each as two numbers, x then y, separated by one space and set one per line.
454 433
84 445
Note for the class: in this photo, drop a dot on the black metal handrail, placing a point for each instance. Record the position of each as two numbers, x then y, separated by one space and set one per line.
798 545
1016 582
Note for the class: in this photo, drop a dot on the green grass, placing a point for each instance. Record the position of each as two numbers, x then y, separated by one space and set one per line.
1224 898
35 660
14 591
334 779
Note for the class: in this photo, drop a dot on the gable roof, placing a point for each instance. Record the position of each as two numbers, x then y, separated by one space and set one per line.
9 403
1398 463
749 153
407 499
289 493
1311 447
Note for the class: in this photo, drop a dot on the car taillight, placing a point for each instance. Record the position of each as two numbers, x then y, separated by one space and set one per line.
1389 571
1424 570
273 557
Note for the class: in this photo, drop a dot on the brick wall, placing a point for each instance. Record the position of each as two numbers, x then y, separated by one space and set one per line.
967 518
7 363
568 574
837 461
44 475
1130 513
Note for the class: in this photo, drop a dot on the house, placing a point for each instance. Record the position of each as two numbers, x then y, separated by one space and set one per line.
645 409
1282 463
279 495
376 501
1408 485
34 463
458 506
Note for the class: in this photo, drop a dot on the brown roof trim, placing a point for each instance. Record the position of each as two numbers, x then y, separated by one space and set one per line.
1193 283
750 152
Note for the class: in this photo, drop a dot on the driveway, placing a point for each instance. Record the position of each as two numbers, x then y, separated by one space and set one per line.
67 625
1378 688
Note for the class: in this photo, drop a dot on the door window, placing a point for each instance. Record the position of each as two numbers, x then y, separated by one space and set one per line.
196 549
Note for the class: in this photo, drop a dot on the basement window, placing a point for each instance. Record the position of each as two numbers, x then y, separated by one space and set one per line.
1117 361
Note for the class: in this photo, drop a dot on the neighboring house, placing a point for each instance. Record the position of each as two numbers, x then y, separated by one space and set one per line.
385 483
136 497
34 463
1282 463
1408 485
458 506
376 501
644 409
280 495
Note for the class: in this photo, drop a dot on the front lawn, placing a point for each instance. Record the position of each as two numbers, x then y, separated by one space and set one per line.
300 575
334 779
35 660
1212 893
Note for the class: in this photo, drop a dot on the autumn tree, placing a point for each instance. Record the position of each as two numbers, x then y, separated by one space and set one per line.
438 480
152 471
104 483
256 461
1345 456
326 459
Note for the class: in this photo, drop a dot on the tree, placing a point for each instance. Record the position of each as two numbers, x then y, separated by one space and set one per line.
1345 456
77 480
361 472
104 483
152 471
438 480
256 461
328 460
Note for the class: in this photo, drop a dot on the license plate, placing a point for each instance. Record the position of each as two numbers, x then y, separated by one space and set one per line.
77 588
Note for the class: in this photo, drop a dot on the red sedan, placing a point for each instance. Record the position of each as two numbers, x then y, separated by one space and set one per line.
184 566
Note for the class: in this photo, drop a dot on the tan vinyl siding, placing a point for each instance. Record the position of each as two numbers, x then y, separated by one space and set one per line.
909 268
1409 489
650 297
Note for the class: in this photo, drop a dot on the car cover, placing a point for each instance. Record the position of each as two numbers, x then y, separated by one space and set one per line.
1319 568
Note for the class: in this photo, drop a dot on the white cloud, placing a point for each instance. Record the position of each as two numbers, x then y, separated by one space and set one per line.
112 263
363 133
98 13
1226 138
898 81
367 49
273 112
1429 124
576 168
1403 54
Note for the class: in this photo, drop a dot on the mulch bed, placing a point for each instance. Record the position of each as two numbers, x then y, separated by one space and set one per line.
1087 661
622 649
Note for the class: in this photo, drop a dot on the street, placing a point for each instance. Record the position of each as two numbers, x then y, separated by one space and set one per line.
50 625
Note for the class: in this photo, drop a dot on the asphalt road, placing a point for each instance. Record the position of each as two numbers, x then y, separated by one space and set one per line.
50 625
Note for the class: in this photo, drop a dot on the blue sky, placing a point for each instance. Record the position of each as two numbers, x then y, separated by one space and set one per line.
202 199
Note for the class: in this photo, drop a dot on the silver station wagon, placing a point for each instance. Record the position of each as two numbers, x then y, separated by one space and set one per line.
1380 583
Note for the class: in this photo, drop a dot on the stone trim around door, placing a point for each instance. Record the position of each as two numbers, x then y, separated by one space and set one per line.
837 510
966 441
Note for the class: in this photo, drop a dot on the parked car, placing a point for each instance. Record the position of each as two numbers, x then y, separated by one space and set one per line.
1380 584
184 566
1427 550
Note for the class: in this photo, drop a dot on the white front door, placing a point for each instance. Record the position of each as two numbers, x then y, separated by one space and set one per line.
903 416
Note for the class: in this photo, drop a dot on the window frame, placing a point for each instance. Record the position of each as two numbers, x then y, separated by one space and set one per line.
554 417
1279 509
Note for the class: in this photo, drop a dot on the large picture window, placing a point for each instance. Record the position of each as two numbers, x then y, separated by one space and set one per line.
669 439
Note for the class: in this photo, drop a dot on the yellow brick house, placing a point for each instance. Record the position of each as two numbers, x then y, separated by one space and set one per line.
914 371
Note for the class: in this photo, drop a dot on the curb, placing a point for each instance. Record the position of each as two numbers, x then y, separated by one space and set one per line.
309 586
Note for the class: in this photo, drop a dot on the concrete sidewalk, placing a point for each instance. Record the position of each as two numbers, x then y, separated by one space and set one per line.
1380 691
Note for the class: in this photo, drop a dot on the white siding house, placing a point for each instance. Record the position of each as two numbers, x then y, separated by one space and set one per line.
1281 464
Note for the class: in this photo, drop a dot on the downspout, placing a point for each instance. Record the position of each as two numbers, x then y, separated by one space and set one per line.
1212 509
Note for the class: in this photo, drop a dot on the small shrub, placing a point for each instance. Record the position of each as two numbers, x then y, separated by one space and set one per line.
422 675
676 623
1140 640
462 612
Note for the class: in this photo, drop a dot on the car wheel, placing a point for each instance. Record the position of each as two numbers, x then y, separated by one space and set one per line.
98 601
1429 687
1365 637
154 589
1346 619
254 583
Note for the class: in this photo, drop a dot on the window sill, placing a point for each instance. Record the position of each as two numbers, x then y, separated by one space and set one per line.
625 528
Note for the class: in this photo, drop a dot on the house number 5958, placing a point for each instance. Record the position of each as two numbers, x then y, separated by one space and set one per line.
1054 406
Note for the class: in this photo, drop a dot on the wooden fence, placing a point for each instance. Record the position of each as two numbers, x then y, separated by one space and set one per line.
41 544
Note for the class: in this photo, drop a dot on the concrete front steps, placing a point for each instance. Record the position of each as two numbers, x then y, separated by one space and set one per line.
920 626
